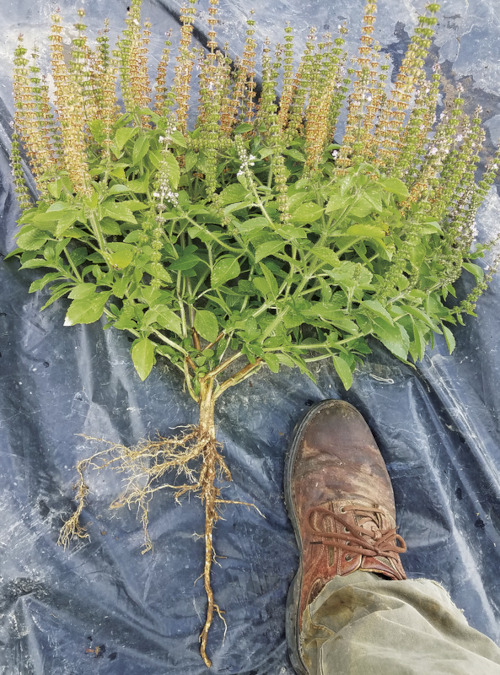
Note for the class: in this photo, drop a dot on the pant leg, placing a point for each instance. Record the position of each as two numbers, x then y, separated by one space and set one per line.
367 624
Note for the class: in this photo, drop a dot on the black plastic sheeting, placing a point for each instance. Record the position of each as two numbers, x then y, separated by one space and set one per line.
437 426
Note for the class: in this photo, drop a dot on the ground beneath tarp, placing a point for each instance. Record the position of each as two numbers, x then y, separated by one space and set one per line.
103 607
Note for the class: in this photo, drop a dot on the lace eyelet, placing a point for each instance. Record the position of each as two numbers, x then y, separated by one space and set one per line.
347 557
346 529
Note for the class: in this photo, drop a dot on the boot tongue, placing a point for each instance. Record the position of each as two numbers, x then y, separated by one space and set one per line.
371 523
374 524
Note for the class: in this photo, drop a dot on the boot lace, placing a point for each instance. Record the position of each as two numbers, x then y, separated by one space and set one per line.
354 539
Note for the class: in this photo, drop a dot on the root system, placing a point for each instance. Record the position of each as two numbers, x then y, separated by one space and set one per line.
194 458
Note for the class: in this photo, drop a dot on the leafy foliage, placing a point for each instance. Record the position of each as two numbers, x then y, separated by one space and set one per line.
252 234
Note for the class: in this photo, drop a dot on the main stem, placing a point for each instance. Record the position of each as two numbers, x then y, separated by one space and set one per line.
212 461
213 467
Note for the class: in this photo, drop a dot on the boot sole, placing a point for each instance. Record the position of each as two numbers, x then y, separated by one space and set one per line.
294 592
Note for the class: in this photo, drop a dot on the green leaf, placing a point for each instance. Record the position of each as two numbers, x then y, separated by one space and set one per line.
136 205
155 118
326 255
417 349
141 147
38 284
81 291
205 323
78 255
419 314
122 254
350 275
173 169
449 337
55 188
268 248
110 226
31 238
429 227
366 203
292 319
56 292
118 189
308 212
120 286
262 285
366 231
189 160
294 154
252 224
186 262
347 182
123 135
373 195
474 269
225 269
340 320
118 211
327 312
65 222
343 370
337 203
158 271
86 310
143 356
178 139
34 263
394 337
126 320
166 318
232 194
250 328
51 216
243 128
395 186
139 186
272 362
377 307
270 278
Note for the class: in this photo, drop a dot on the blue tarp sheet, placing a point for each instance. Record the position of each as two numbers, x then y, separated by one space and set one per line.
437 426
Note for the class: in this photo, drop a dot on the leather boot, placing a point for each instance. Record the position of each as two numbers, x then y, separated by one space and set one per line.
341 504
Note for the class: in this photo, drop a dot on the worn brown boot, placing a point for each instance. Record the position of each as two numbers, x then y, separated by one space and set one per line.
341 504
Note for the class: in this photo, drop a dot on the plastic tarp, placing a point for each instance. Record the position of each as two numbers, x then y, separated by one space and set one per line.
437 426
